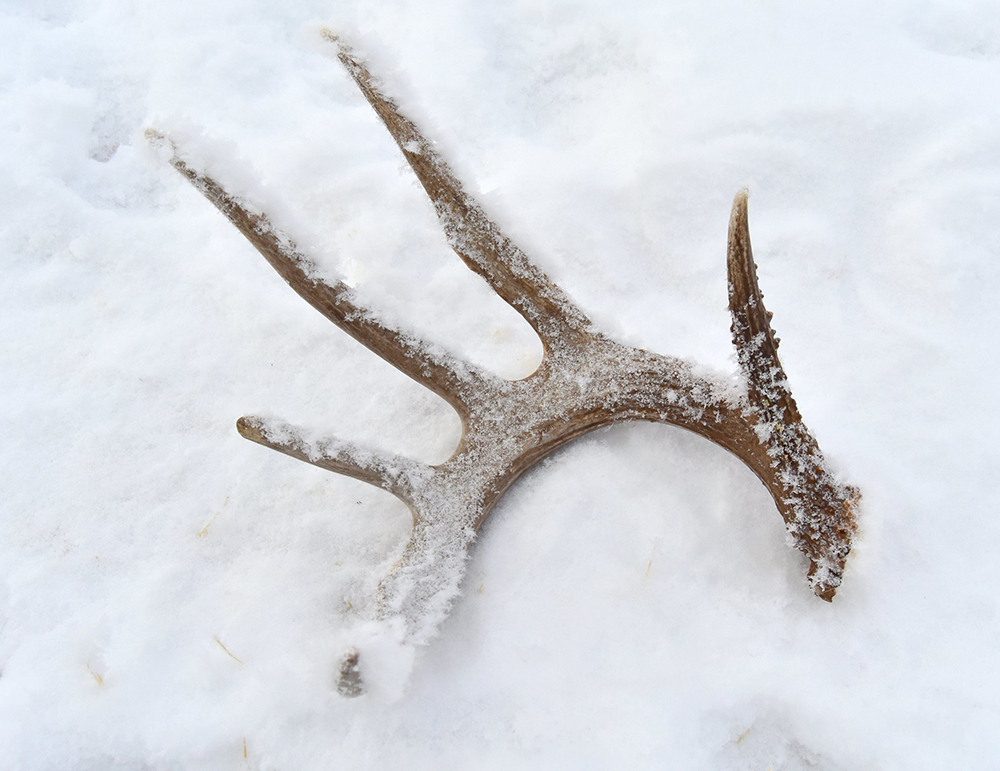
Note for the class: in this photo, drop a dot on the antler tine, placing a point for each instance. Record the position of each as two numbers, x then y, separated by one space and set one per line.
455 380
471 233
399 475
819 510
755 341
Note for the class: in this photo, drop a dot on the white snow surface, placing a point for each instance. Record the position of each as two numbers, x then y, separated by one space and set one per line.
174 597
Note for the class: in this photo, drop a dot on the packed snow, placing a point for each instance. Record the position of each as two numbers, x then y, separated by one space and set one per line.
175 597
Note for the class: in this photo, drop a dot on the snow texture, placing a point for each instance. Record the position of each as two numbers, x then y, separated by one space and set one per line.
172 596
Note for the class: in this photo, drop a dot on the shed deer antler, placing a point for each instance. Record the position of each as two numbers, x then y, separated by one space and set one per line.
585 381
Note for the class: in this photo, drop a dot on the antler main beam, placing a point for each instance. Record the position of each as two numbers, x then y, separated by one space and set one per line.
585 381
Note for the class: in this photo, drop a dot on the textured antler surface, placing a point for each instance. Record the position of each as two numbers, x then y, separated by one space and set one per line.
585 381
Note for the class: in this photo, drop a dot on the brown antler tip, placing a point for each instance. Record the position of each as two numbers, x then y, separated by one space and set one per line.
155 136
349 683
251 428
738 218
825 586
825 590
160 140
739 227
739 235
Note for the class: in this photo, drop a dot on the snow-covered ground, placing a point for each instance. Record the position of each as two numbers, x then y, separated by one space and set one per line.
174 597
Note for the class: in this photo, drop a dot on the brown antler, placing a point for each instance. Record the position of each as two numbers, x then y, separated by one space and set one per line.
585 381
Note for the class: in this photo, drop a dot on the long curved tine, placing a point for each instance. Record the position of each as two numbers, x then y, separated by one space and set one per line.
471 233
454 380
819 510
755 341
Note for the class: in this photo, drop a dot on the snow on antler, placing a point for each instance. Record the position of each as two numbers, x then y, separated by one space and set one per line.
508 426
